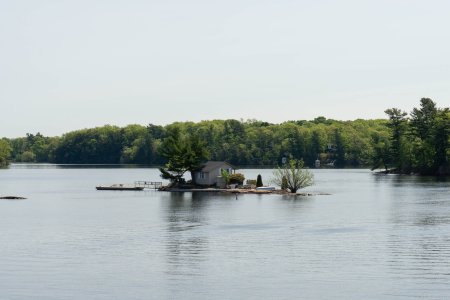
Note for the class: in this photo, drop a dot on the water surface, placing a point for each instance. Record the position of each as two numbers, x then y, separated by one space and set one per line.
374 237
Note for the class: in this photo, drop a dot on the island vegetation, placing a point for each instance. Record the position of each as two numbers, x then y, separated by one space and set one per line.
415 144
292 176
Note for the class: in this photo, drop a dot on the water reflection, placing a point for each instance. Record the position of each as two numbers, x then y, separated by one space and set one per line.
418 241
185 242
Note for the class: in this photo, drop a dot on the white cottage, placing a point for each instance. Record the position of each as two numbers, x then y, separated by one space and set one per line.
210 174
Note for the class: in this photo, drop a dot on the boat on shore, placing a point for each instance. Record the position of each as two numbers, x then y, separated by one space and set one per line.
119 187
265 188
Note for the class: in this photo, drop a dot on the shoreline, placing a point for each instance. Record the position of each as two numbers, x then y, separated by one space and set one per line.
240 191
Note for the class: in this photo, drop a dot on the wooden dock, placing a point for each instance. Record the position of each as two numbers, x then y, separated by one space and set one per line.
148 184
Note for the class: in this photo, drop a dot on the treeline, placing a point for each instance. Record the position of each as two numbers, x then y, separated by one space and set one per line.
243 143
418 143
415 144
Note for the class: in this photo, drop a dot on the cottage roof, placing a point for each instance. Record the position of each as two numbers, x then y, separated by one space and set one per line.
212 165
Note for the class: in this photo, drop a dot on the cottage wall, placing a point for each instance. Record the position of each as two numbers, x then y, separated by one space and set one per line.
203 178
210 178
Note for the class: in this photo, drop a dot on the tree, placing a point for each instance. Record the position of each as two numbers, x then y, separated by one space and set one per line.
381 152
397 125
226 176
422 144
259 182
184 152
294 175
442 141
423 133
340 149
5 152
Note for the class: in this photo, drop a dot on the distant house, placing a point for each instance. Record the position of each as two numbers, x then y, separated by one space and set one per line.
210 174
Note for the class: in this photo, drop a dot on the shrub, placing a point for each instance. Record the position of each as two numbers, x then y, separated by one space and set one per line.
237 178
259 182
251 182
294 175
284 183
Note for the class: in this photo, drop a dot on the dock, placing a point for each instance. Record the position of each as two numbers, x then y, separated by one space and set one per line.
148 184
138 186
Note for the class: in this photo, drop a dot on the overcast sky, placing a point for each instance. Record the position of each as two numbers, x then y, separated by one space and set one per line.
72 64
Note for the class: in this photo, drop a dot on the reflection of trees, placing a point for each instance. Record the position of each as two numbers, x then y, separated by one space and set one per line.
185 240
418 239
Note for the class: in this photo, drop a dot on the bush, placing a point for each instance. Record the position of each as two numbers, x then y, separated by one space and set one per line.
236 178
293 176
284 183
251 182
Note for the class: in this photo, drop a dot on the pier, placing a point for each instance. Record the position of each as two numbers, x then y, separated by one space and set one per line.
148 184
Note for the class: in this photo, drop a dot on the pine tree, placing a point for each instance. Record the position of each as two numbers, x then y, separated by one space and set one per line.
259 182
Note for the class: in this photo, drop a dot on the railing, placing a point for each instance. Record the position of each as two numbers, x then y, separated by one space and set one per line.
148 184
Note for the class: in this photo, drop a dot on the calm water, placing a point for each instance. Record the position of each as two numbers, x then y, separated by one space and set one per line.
375 237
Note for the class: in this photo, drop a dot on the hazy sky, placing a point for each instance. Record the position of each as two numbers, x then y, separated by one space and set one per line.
72 64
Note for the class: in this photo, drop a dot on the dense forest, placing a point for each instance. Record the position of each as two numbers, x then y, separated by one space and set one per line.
419 143
249 143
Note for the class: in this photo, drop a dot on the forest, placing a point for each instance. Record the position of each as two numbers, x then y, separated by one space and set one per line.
418 143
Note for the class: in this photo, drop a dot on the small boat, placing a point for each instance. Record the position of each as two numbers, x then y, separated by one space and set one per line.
119 187
265 188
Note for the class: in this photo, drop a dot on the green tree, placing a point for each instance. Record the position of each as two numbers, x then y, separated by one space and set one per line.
294 175
340 149
5 152
442 141
225 175
381 152
423 133
259 181
397 125
184 152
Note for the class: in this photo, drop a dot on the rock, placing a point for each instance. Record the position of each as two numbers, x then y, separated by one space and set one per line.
12 198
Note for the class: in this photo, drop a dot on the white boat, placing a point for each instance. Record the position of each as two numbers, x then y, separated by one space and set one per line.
265 188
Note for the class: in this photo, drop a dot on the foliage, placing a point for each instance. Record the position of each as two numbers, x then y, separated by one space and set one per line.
251 182
34 148
259 182
284 183
173 177
418 144
293 176
184 152
251 143
5 152
225 175
237 178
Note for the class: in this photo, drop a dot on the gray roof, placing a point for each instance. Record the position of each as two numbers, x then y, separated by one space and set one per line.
212 165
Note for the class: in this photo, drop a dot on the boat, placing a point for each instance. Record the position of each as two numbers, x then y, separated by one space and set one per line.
265 188
119 187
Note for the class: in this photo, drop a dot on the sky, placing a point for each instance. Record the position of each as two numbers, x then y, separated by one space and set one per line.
73 64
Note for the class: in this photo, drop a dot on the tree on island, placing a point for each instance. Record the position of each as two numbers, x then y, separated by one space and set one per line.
293 176
418 144
259 182
184 152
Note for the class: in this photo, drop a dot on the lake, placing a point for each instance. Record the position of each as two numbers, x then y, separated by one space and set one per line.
374 237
